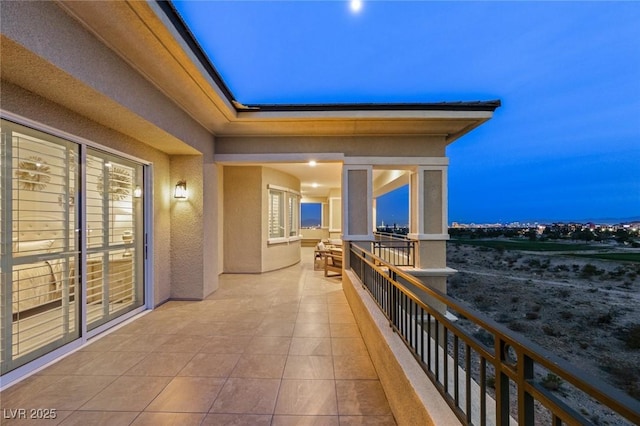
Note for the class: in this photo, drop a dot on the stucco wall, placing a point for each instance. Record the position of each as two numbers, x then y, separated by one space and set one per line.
242 219
246 210
276 256
23 103
187 229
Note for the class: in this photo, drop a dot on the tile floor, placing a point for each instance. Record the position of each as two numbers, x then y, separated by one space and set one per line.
280 348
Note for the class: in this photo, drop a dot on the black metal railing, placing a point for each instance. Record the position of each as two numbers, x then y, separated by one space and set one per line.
490 375
395 249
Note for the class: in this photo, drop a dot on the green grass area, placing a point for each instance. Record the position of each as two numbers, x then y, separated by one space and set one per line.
525 245
627 257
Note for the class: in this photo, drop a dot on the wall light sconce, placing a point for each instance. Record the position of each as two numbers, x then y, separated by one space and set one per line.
181 190
137 192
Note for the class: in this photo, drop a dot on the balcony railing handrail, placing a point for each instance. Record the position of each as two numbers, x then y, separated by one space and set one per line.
528 353
399 250
391 236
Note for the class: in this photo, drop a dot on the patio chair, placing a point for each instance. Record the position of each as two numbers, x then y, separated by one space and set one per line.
333 263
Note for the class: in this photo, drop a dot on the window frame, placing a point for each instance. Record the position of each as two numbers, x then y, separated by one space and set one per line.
288 214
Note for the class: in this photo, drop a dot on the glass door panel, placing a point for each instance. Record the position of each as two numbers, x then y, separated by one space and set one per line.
115 237
39 306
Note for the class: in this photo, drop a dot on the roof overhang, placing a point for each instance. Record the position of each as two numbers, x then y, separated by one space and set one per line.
152 38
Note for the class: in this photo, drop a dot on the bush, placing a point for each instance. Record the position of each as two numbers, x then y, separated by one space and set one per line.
566 315
550 330
604 319
551 382
516 326
589 271
491 382
630 335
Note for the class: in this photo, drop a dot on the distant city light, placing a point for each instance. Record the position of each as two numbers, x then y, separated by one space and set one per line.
356 5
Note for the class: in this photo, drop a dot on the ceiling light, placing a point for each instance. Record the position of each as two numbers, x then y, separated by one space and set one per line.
313 163
314 185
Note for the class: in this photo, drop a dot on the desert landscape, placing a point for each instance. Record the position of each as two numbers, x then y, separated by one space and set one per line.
584 309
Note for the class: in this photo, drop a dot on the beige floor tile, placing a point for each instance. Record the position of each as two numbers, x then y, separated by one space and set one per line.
160 364
311 330
280 315
361 398
210 365
310 346
273 345
248 396
337 297
339 308
127 394
314 299
308 367
69 364
110 363
313 307
260 366
305 421
169 419
307 397
18 395
106 343
225 344
237 420
275 328
182 343
187 395
344 330
342 317
69 393
99 418
354 367
313 317
352 346
287 306
144 343
219 328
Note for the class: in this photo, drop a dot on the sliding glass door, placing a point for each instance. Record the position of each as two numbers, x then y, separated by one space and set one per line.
71 234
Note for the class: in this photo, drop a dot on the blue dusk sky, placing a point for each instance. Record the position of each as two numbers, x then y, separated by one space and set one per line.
565 145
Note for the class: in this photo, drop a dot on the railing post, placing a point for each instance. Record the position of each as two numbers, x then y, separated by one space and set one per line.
502 384
526 410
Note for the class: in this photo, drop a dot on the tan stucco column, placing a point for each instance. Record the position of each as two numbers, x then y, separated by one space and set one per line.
193 228
357 205
428 225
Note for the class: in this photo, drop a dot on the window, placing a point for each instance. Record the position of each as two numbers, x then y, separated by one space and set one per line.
276 213
294 215
284 215
311 215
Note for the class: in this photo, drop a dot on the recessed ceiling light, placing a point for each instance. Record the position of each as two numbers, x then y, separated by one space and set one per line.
312 163
314 185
